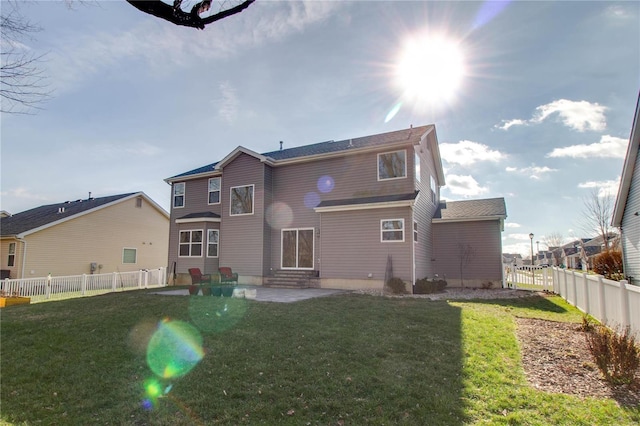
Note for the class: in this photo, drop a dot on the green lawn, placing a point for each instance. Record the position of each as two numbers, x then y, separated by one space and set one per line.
347 359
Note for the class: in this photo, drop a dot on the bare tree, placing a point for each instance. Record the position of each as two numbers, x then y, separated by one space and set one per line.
553 241
175 14
597 212
22 83
466 254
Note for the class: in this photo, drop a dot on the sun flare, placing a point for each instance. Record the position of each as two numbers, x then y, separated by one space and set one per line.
430 71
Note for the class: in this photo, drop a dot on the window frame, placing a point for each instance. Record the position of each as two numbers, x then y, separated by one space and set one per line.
415 231
383 230
417 167
11 254
253 200
404 176
433 187
217 243
175 195
190 243
209 191
135 251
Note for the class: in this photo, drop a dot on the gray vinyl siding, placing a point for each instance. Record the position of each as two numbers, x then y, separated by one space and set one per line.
351 247
483 236
266 227
631 227
242 237
423 212
354 176
196 201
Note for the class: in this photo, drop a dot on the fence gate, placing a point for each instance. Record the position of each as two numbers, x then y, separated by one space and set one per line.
527 277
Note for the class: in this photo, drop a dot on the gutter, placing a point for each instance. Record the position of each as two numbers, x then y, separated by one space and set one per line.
24 255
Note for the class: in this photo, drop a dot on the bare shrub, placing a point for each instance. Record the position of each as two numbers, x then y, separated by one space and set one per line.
396 286
615 352
609 264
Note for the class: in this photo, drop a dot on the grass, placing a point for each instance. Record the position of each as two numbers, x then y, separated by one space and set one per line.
348 359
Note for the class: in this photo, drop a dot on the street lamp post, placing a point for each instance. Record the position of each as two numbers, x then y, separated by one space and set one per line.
531 238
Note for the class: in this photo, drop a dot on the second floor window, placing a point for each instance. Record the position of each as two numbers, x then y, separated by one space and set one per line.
392 165
416 166
241 200
214 190
190 244
434 197
178 194
11 259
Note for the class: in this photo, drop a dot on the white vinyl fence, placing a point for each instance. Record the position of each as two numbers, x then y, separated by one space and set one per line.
614 303
56 288
527 277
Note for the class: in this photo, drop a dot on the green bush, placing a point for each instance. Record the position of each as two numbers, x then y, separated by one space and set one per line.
427 286
396 286
616 353
609 264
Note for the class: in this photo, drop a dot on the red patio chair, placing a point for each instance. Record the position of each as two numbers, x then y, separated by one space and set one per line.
198 278
227 275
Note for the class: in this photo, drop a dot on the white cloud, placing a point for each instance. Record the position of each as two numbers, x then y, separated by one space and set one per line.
466 186
466 153
608 147
605 187
512 225
577 115
228 104
534 172
23 193
580 115
507 124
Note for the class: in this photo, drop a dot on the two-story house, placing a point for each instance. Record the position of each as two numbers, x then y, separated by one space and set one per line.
336 210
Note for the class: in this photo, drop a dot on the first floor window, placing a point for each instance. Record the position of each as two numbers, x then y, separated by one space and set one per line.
213 240
214 190
178 194
11 259
190 244
241 200
392 230
129 255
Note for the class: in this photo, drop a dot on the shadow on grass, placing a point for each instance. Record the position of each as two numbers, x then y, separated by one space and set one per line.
536 302
349 359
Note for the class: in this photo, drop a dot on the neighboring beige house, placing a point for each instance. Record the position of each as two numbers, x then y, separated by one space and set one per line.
626 214
126 232
330 214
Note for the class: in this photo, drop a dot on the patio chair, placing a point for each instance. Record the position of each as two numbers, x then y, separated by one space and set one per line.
198 278
227 275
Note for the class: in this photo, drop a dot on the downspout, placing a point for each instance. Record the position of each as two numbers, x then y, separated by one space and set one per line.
24 255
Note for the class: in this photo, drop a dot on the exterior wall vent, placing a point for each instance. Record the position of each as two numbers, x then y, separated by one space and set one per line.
60 210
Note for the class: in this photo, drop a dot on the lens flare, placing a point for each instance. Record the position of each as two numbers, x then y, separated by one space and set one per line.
279 215
216 314
311 200
174 349
325 184
393 112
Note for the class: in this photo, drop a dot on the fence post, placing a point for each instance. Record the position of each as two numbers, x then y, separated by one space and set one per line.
146 279
585 280
624 305
48 289
603 306
114 281
161 275
544 280
575 288
83 286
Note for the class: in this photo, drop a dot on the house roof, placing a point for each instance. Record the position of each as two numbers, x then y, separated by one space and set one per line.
30 221
489 208
412 134
628 169
369 200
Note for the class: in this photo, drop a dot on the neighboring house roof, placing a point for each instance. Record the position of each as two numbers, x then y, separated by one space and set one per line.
323 149
36 219
456 211
628 169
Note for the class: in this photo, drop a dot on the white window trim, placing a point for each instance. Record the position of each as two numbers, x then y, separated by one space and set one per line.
417 167
184 195
382 231
209 191
129 248
253 200
434 193
218 244
11 255
378 165
313 257
415 231
191 231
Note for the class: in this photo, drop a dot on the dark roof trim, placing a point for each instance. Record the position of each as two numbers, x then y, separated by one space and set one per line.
377 202
199 217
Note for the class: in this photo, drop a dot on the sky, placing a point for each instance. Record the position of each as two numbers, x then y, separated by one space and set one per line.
532 101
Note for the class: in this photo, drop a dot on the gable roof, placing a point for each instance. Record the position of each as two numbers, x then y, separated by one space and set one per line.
36 219
628 169
412 135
